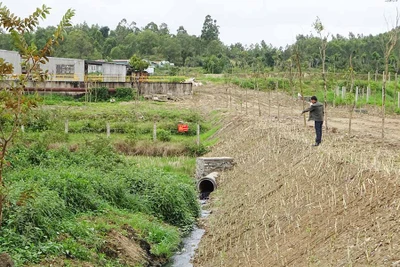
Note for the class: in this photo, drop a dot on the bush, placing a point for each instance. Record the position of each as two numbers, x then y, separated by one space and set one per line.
100 94
125 94
167 195
195 150
41 120
163 135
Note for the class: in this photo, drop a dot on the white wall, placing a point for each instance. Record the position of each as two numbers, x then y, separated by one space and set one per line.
13 58
79 69
114 73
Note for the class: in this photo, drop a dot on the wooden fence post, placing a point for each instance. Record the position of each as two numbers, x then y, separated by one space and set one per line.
398 99
198 135
357 95
66 128
155 131
368 92
108 130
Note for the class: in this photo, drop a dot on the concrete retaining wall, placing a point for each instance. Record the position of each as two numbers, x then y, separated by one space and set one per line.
205 166
146 89
170 89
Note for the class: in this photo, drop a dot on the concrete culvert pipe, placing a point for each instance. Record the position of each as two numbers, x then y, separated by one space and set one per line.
207 185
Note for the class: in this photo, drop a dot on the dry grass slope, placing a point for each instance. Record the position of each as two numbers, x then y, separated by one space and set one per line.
288 204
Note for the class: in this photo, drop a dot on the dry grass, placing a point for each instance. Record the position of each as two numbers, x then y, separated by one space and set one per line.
150 148
288 204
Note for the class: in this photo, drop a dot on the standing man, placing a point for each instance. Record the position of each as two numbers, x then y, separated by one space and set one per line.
317 115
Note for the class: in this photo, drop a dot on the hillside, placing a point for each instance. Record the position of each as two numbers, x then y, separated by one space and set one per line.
288 204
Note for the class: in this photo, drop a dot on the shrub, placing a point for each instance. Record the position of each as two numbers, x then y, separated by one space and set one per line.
163 135
100 94
41 120
195 150
167 195
125 94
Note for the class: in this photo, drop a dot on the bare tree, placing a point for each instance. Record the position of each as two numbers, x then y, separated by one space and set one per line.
297 58
350 99
389 41
324 42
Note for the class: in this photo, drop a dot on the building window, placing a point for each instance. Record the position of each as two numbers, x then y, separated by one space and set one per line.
65 69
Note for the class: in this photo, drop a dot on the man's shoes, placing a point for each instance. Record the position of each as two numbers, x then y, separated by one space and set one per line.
316 144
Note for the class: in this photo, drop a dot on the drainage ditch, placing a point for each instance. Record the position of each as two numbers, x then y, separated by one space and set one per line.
206 184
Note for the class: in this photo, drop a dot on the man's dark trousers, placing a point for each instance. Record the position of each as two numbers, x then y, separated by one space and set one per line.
318 131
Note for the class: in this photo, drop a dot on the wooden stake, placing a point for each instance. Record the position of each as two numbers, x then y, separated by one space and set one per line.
66 126
356 95
398 99
155 132
198 135
368 92
108 130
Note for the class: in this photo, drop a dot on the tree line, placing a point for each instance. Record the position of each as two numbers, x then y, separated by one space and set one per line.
157 42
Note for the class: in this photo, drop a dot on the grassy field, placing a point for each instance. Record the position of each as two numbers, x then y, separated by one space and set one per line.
74 199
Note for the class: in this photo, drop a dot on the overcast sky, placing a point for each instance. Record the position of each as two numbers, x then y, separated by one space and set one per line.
246 21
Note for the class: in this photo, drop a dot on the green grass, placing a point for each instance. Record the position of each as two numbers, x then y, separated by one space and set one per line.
66 192
51 190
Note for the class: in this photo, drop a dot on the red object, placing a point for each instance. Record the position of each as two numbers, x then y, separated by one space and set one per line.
182 128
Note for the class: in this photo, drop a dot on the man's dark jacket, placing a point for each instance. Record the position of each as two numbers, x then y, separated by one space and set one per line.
316 112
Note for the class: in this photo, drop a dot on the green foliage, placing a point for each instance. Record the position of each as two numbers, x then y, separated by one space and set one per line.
48 189
125 94
163 135
210 29
138 64
100 94
157 42
166 196
195 150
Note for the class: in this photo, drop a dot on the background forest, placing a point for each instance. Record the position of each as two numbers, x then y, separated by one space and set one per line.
158 42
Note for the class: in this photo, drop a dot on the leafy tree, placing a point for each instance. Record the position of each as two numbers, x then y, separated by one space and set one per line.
163 29
109 44
138 64
5 41
215 65
152 27
148 42
78 45
181 30
172 50
15 106
187 44
105 31
117 52
210 30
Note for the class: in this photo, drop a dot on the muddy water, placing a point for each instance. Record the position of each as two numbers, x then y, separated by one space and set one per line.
190 244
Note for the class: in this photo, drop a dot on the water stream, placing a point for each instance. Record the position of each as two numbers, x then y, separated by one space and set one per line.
190 244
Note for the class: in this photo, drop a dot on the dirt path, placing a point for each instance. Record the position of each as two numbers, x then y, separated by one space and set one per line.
287 204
